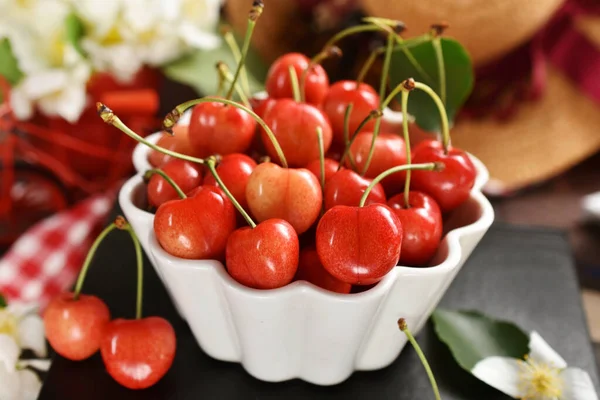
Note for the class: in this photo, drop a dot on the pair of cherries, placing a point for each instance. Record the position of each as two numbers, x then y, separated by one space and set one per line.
137 353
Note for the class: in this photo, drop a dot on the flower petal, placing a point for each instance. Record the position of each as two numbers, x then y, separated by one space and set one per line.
20 103
578 385
31 335
541 351
40 365
501 373
10 385
9 353
21 310
30 385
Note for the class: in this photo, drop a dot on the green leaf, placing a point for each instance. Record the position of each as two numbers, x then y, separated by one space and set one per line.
198 69
9 67
459 80
74 31
472 336
2 301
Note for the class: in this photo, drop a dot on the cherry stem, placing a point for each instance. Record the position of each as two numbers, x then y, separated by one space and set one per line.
405 94
382 85
404 328
442 111
255 12
351 31
439 55
294 82
367 66
347 152
211 164
172 118
321 156
110 118
437 166
322 55
237 54
90 257
148 174
140 266
347 141
225 75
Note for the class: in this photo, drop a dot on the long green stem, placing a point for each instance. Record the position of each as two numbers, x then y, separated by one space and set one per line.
404 328
322 55
225 75
351 31
172 118
439 55
321 156
367 66
210 163
347 140
382 85
89 258
442 111
393 170
140 270
255 13
347 152
405 94
235 50
148 174
294 83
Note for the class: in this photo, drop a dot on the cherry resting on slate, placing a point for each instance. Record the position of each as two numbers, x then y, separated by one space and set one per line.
196 227
278 82
363 98
285 193
450 187
422 225
294 125
184 173
73 327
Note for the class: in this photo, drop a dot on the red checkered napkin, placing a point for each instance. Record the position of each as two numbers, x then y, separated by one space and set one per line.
46 259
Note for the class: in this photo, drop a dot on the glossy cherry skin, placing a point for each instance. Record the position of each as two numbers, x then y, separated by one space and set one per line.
264 257
138 353
293 195
346 187
278 83
184 173
359 245
449 187
234 170
390 151
421 225
75 328
197 227
179 143
295 127
331 167
311 270
261 105
217 128
364 100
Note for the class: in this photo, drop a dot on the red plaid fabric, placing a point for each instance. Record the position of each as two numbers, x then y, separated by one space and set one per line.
46 259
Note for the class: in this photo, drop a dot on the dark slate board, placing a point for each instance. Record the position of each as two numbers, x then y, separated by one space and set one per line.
521 274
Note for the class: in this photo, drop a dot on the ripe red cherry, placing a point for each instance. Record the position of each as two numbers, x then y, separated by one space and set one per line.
359 245
346 187
196 227
278 83
217 128
75 328
449 187
234 170
138 353
293 195
331 167
340 95
264 257
295 127
261 105
421 225
179 143
311 270
389 152
184 173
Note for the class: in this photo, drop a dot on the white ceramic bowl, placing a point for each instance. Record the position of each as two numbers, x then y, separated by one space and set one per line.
300 330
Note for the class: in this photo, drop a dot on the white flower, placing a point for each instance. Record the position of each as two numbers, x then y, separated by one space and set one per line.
20 327
542 376
124 35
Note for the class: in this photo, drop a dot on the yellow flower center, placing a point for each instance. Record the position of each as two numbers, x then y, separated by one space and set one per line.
8 324
539 380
